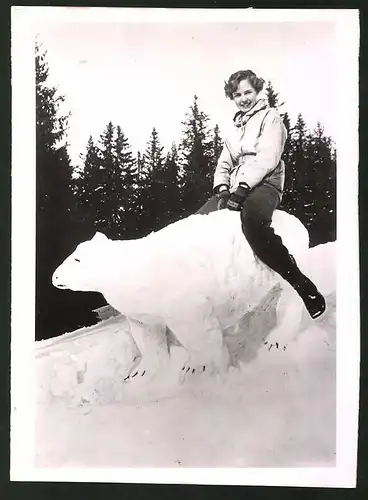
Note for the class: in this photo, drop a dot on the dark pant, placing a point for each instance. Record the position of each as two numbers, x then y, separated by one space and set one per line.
256 218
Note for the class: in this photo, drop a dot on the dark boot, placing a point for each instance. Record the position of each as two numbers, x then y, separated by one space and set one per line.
312 298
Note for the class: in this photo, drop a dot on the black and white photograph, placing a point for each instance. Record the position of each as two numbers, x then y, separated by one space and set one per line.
185 272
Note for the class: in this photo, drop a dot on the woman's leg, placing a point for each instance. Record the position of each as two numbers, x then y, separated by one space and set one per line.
256 217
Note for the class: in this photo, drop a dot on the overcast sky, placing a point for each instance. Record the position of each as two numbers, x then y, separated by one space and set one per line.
144 75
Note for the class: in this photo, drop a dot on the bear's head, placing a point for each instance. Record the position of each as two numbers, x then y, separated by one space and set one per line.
83 270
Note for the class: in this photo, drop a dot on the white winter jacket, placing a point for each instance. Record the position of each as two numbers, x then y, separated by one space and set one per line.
252 150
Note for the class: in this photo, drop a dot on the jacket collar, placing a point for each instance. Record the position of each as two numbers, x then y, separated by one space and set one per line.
241 118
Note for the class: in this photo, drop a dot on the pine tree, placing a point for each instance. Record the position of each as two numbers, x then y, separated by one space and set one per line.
299 158
140 191
296 169
272 96
215 148
288 146
153 193
128 195
107 187
140 165
172 183
96 183
109 199
195 160
89 183
50 149
290 170
56 234
320 196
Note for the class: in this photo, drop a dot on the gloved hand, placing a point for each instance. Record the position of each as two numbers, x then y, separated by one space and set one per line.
222 199
238 197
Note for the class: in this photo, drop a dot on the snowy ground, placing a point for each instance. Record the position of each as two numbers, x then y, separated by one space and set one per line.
273 409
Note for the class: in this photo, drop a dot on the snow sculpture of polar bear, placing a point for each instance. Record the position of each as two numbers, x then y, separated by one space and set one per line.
196 276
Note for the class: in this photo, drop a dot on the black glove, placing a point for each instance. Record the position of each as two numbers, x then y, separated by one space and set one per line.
222 199
238 197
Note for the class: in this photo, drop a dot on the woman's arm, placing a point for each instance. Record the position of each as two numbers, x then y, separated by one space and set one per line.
269 150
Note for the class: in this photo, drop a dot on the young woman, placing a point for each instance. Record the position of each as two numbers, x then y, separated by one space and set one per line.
249 178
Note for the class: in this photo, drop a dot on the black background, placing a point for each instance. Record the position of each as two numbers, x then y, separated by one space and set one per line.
90 491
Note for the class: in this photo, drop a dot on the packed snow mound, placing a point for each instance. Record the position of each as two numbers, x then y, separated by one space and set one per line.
196 277
271 409
91 365
173 258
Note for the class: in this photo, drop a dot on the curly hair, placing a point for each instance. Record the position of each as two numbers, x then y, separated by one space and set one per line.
232 84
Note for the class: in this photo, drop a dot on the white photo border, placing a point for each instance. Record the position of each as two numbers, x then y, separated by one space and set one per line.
23 250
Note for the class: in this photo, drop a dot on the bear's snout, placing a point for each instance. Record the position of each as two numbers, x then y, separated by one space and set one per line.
56 281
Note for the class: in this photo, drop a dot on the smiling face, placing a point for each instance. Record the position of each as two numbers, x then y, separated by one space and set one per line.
245 96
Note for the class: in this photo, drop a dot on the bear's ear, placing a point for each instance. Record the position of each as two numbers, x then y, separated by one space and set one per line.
100 237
